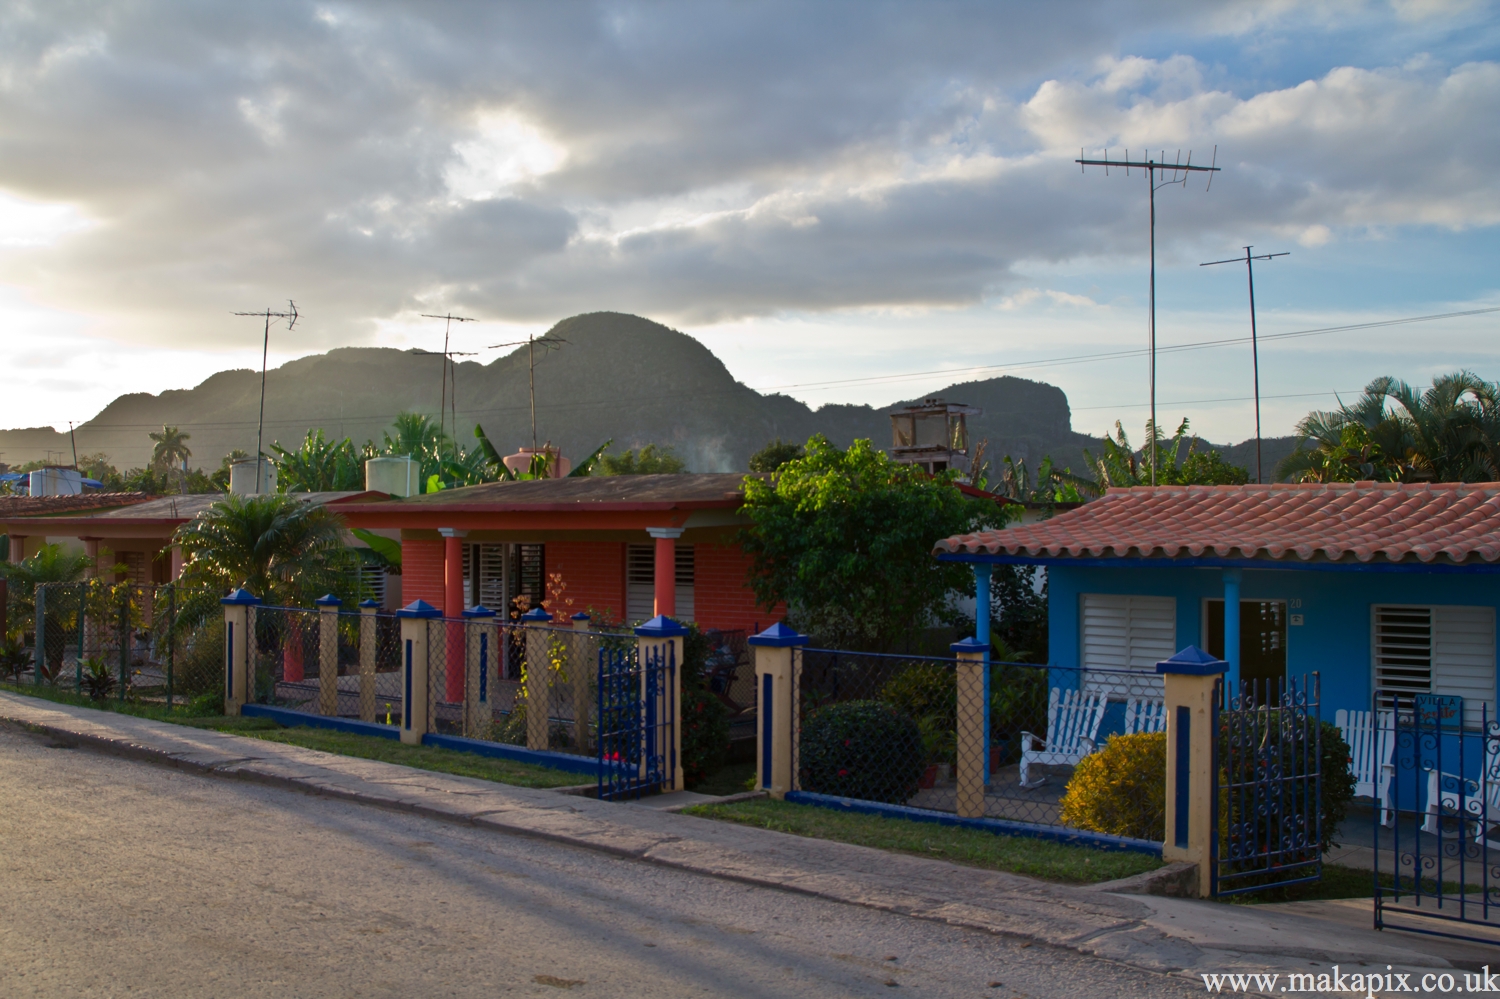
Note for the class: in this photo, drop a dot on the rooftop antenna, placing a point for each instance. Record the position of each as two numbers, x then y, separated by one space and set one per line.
1248 261
74 438
1151 167
448 320
290 315
546 342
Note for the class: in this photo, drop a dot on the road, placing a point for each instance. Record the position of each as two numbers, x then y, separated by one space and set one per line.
124 878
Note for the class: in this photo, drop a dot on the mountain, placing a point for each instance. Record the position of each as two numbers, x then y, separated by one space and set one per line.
617 376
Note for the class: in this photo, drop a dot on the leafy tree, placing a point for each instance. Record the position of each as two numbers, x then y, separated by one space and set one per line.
319 465
774 455
170 454
1121 465
844 539
649 460
1050 485
286 551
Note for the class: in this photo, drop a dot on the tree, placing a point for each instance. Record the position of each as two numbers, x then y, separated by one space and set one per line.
286 551
319 465
648 461
51 564
1121 465
170 453
844 539
774 455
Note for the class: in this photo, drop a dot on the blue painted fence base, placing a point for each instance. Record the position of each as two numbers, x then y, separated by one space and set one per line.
290 718
1006 827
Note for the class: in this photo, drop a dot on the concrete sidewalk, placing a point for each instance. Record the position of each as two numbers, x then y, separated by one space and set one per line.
1161 934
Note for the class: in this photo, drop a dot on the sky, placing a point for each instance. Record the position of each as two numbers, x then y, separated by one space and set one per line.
847 202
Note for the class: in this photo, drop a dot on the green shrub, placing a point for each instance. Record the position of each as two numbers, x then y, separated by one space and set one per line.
99 682
1122 789
928 692
1337 784
862 749
705 719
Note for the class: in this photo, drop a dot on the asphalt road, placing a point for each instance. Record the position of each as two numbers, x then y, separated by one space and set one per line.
120 878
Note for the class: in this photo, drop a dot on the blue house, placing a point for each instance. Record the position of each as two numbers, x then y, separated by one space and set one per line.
1382 588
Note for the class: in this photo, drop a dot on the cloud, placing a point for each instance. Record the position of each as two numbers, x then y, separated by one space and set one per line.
702 163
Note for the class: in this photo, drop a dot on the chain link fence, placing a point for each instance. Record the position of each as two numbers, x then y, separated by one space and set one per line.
900 729
339 664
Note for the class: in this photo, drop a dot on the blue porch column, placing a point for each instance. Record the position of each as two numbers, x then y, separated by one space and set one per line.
982 573
1232 627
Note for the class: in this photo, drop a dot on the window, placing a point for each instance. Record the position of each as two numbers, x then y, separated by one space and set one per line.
1443 650
1126 633
640 582
372 582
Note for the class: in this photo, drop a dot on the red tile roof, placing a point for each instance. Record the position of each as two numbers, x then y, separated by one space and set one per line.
1340 522
44 506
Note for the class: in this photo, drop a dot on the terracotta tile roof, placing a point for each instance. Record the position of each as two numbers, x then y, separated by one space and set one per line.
42 506
1340 522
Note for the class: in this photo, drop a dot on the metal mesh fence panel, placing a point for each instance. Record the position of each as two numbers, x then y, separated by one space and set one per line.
285 658
903 730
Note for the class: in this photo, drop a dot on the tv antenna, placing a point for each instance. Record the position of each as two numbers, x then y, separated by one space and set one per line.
531 343
290 315
1150 168
1248 260
448 355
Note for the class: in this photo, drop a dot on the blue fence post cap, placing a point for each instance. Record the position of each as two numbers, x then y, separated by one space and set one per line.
1192 661
240 595
581 616
778 636
419 608
479 610
970 645
661 626
536 614
328 600
372 602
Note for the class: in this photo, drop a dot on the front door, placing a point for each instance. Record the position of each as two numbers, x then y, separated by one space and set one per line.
1262 637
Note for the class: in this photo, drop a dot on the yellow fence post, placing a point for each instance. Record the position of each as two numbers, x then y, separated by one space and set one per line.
328 654
584 662
774 649
1190 678
367 626
239 646
662 636
972 741
539 677
416 618
479 641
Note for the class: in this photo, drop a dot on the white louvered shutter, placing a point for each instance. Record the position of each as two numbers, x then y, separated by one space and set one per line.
1131 633
1463 658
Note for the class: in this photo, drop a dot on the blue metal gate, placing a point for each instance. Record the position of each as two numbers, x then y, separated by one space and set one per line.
1437 853
1268 751
637 745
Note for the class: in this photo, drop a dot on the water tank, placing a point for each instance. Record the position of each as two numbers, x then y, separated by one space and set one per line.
398 476
242 477
56 482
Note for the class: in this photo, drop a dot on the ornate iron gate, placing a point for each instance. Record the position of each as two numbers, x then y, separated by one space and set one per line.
637 748
1268 751
1437 854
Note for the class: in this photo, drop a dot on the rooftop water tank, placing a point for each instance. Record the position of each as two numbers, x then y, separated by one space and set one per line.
242 478
398 476
53 481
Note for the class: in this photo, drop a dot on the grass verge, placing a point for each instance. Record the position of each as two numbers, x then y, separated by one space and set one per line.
733 778
1035 858
366 747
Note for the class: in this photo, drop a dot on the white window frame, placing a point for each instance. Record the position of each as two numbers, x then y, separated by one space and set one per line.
1141 653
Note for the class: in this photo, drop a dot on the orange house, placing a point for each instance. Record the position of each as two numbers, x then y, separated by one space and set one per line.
626 547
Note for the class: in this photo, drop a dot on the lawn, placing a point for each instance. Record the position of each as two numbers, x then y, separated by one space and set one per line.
1035 858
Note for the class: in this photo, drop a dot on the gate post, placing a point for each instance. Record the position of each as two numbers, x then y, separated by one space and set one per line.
367 626
1190 678
662 637
238 646
972 735
479 643
538 681
583 662
328 654
416 617
774 649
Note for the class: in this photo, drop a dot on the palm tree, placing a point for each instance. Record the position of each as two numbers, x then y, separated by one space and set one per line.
286 551
319 465
51 564
171 453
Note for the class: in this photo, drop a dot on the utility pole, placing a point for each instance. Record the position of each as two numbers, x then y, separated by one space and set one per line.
1254 346
448 320
1151 167
265 348
74 438
547 342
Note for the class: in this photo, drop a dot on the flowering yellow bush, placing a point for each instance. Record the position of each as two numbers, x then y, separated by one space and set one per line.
1122 789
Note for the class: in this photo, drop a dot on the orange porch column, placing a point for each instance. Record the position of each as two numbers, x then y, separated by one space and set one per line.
666 570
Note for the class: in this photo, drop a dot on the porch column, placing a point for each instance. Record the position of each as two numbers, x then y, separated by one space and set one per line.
666 570
175 554
1189 678
982 573
91 549
453 609
17 547
774 649
1232 627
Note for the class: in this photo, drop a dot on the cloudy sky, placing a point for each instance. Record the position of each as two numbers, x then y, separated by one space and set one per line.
847 202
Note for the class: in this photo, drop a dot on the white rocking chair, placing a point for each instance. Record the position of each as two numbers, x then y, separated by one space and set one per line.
1145 715
1372 740
1073 718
